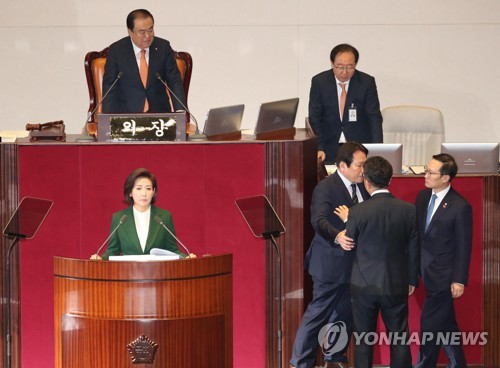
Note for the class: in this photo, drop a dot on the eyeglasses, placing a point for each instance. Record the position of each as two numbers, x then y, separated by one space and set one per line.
430 173
344 68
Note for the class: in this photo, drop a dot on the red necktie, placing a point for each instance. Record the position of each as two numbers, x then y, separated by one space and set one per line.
343 96
143 71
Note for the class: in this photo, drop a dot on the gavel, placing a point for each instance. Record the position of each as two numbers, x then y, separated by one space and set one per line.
30 127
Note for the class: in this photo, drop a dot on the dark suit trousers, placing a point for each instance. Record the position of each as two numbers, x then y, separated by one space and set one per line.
394 311
438 315
331 303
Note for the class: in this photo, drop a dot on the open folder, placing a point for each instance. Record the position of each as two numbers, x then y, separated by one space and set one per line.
157 254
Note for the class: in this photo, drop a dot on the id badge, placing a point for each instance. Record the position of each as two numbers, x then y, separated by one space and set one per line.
353 117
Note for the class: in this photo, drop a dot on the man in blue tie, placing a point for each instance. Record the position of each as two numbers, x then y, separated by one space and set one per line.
445 227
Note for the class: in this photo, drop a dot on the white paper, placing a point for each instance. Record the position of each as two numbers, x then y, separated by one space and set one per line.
143 258
162 252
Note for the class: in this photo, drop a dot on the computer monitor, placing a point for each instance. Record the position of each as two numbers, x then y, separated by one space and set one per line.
392 152
223 120
276 116
474 158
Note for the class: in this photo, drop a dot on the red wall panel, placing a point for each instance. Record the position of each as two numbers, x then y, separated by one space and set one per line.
198 183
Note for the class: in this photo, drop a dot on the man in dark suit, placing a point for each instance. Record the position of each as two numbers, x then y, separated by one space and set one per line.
130 95
445 226
328 264
386 264
338 116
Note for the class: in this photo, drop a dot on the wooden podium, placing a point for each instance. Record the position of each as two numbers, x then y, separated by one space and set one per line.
159 313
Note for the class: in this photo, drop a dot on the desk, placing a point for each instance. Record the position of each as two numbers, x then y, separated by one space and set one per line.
183 308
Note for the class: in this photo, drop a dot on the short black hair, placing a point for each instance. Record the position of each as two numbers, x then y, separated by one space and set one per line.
346 152
138 13
344 47
449 165
378 171
130 182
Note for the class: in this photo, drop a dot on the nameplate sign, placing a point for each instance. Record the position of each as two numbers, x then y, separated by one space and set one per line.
141 127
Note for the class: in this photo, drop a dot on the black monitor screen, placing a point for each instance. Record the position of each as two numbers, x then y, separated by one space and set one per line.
260 216
28 217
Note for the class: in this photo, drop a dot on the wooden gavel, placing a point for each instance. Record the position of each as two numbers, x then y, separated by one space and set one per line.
44 125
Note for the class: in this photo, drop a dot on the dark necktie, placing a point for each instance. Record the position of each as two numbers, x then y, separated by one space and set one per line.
354 194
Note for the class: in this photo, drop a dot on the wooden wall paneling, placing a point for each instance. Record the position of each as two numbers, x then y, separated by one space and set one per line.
9 199
290 180
491 269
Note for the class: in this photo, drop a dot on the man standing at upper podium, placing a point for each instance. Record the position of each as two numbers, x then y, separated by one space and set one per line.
139 56
344 104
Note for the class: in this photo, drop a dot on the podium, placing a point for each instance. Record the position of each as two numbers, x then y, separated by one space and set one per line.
127 314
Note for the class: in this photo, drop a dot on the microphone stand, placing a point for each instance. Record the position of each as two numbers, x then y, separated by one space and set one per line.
86 137
197 136
272 235
160 221
8 338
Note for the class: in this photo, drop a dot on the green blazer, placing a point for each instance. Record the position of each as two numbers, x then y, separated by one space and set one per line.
126 241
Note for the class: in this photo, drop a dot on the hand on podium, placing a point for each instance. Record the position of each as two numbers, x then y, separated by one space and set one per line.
191 255
95 257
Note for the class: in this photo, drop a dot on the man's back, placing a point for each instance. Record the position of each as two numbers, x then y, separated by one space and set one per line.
386 236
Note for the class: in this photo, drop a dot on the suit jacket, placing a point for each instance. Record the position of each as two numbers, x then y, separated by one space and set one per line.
129 94
325 117
126 241
447 243
387 255
326 260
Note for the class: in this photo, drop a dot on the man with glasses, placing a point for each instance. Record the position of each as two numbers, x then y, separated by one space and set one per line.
445 227
344 104
139 56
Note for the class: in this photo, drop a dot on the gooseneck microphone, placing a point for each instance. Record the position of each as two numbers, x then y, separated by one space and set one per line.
160 221
87 137
122 220
197 136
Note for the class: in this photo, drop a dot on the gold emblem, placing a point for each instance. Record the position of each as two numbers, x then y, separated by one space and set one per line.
142 350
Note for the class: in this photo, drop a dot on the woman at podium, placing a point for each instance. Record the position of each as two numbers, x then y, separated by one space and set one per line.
142 226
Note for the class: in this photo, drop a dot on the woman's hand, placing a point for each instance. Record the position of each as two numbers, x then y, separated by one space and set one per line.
95 257
191 255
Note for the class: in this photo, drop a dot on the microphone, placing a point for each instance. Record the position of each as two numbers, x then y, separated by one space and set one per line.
122 220
197 136
87 137
160 221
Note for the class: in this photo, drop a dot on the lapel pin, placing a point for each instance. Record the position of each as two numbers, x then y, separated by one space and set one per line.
445 205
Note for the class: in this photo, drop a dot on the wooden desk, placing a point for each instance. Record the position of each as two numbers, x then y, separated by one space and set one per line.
184 308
